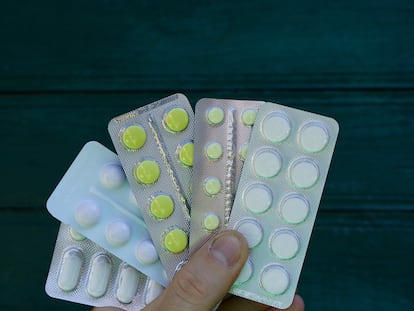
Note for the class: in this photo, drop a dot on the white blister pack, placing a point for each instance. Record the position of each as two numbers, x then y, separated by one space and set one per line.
222 132
278 197
85 273
155 146
95 199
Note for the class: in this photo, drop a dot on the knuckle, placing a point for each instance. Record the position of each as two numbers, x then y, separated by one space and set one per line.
189 287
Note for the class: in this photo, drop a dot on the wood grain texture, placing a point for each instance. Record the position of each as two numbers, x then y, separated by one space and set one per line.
116 45
67 68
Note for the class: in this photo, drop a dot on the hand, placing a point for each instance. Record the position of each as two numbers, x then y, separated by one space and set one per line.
207 277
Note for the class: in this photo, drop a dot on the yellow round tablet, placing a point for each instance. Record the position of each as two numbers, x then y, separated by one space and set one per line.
249 116
175 241
243 152
186 154
162 206
214 151
133 137
147 172
176 120
212 186
215 115
211 222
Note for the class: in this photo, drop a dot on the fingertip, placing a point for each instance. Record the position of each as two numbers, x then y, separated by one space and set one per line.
298 304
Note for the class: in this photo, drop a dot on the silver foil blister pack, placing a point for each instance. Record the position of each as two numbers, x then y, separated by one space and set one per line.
85 273
220 144
278 197
155 146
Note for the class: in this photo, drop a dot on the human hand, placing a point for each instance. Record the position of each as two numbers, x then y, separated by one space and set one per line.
206 278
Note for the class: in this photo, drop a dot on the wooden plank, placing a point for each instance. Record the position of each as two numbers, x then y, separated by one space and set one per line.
356 261
372 166
144 45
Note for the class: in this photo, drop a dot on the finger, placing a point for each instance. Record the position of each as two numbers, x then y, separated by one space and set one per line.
241 304
207 277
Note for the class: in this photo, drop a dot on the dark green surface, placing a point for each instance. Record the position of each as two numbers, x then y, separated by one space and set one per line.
67 68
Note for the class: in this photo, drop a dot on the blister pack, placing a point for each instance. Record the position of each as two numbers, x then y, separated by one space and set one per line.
220 142
85 273
278 197
155 146
95 199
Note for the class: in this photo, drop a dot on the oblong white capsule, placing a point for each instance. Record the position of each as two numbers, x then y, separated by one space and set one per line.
154 289
99 275
127 285
70 269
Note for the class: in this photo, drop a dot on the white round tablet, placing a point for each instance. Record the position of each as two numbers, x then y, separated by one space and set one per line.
245 273
87 213
257 198
251 230
267 162
112 176
294 209
146 252
313 137
276 127
274 279
304 173
284 244
117 233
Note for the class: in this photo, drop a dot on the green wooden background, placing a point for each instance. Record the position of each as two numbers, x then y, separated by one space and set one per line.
66 68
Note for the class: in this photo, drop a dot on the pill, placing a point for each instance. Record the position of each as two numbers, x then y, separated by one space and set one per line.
146 252
112 176
186 154
212 186
251 230
117 233
211 222
133 137
147 172
215 115
243 151
87 213
176 120
249 116
284 244
76 235
162 206
304 173
175 241
127 285
214 151
70 269
294 209
98 277
276 127
154 289
245 273
267 162
257 198
274 279
313 137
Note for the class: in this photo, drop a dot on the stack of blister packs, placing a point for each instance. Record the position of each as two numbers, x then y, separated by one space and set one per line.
131 220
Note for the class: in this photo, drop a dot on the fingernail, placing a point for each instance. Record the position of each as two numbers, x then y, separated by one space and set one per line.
226 250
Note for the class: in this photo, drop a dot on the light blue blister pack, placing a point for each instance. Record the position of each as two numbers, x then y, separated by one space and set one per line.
155 146
221 136
85 273
278 197
95 199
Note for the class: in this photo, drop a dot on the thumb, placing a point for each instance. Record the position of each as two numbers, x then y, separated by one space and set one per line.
207 277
